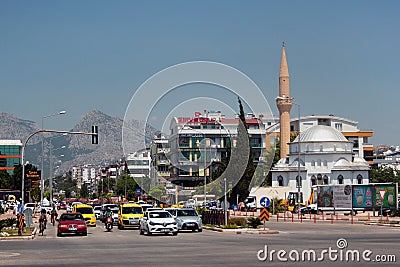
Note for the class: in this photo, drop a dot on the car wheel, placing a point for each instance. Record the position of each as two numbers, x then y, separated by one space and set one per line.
148 232
84 234
141 231
58 234
200 230
193 230
175 233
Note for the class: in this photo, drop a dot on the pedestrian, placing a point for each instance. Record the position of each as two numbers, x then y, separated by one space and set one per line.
20 223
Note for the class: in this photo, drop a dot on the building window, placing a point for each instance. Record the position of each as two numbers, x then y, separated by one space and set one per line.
325 163
313 180
326 179
338 126
319 179
340 179
313 163
359 179
321 148
280 180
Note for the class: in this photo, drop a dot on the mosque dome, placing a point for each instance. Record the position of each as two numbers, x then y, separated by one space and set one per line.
321 133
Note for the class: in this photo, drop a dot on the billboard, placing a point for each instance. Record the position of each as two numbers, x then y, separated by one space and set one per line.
325 196
342 196
385 196
334 196
363 196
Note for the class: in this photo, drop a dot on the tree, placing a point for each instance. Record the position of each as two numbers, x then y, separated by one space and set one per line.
17 176
157 191
124 183
384 175
5 180
84 192
35 194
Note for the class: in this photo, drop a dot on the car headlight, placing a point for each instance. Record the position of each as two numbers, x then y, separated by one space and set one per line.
152 223
93 217
124 218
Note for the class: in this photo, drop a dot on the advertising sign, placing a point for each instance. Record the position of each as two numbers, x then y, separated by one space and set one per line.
325 196
342 196
385 196
363 196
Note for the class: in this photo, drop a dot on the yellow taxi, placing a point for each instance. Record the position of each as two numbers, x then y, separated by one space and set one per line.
87 213
129 215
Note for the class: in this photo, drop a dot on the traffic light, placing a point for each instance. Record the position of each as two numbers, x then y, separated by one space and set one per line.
95 135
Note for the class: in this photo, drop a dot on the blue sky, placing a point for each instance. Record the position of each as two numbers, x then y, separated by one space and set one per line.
78 56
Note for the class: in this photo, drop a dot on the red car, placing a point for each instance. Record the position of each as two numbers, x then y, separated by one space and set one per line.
62 206
71 223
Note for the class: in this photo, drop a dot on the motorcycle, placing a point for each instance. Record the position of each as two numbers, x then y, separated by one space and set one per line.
109 224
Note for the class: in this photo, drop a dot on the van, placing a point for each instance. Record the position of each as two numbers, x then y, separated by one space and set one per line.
129 215
87 213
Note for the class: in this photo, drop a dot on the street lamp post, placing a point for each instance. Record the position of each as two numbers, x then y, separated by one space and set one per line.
298 162
42 172
51 171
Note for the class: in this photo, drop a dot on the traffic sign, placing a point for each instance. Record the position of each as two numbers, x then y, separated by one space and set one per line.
264 215
264 202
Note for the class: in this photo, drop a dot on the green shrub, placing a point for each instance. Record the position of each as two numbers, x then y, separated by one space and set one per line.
395 213
254 222
230 226
239 221
7 223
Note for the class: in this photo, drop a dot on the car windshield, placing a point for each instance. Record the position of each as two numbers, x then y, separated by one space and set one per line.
132 210
173 212
71 217
97 208
163 214
85 210
186 213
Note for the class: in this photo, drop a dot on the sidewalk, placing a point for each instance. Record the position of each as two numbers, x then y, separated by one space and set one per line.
9 214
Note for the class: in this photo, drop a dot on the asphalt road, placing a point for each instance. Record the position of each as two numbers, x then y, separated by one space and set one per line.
128 248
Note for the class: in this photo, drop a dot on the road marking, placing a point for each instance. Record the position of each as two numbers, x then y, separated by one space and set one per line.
9 254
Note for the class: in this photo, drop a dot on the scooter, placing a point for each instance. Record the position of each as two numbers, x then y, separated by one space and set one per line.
109 224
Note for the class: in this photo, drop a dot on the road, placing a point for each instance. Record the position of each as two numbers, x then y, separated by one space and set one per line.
209 248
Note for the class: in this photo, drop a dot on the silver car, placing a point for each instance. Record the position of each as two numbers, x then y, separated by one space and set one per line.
188 219
158 221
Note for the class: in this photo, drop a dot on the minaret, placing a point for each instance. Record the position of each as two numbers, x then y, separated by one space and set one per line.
284 103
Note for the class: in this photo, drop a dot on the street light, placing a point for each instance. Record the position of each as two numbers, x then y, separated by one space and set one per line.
51 171
42 172
298 161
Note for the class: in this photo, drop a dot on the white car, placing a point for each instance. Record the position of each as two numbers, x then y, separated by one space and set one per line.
97 211
188 219
158 221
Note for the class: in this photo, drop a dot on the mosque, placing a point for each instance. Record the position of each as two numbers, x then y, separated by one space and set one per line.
320 154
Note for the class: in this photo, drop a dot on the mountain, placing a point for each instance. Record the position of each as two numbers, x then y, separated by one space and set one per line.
79 148
15 128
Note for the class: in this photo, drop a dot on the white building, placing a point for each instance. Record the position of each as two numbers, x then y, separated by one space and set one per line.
139 164
326 157
349 128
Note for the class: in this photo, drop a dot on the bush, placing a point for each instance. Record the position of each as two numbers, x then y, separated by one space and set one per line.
230 226
239 221
7 223
254 222
395 213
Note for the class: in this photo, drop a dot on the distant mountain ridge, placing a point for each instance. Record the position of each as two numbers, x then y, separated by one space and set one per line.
78 148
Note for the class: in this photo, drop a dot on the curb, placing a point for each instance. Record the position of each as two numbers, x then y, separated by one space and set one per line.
383 224
19 237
